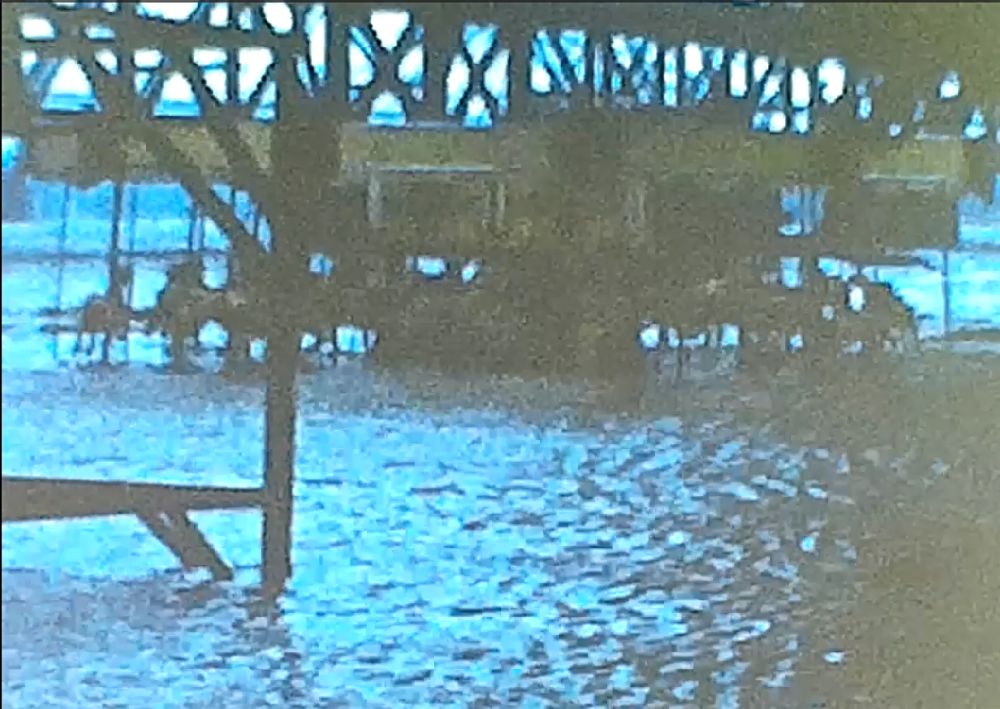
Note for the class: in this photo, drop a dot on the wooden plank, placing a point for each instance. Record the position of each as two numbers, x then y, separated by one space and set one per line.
27 499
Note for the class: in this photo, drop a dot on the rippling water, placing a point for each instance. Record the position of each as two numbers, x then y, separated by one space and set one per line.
472 556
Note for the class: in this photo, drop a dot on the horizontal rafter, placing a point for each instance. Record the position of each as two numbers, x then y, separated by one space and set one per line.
48 498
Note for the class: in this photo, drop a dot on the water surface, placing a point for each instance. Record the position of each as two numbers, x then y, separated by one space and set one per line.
479 543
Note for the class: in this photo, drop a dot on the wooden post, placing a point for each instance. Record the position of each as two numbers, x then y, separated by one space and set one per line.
133 222
117 186
290 168
279 459
117 199
192 238
283 345
517 35
443 27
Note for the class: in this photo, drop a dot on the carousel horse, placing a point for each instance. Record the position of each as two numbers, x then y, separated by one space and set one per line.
107 314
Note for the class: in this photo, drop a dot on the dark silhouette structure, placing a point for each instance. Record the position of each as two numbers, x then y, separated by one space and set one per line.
293 172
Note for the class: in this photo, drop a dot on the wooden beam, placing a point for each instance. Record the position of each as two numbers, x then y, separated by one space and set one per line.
27 499
279 443
181 536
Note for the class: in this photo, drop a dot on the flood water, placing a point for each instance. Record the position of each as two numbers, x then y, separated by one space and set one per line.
504 542
801 537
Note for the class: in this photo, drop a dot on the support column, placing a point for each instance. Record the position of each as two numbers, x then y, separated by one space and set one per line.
279 460
114 268
283 345
294 166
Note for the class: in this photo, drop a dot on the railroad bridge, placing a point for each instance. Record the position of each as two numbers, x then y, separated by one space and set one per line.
372 85
601 141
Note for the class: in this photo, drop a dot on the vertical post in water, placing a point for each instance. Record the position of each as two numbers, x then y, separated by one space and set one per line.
276 278
279 426
133 223
279 454
117 196
304 164
117 186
